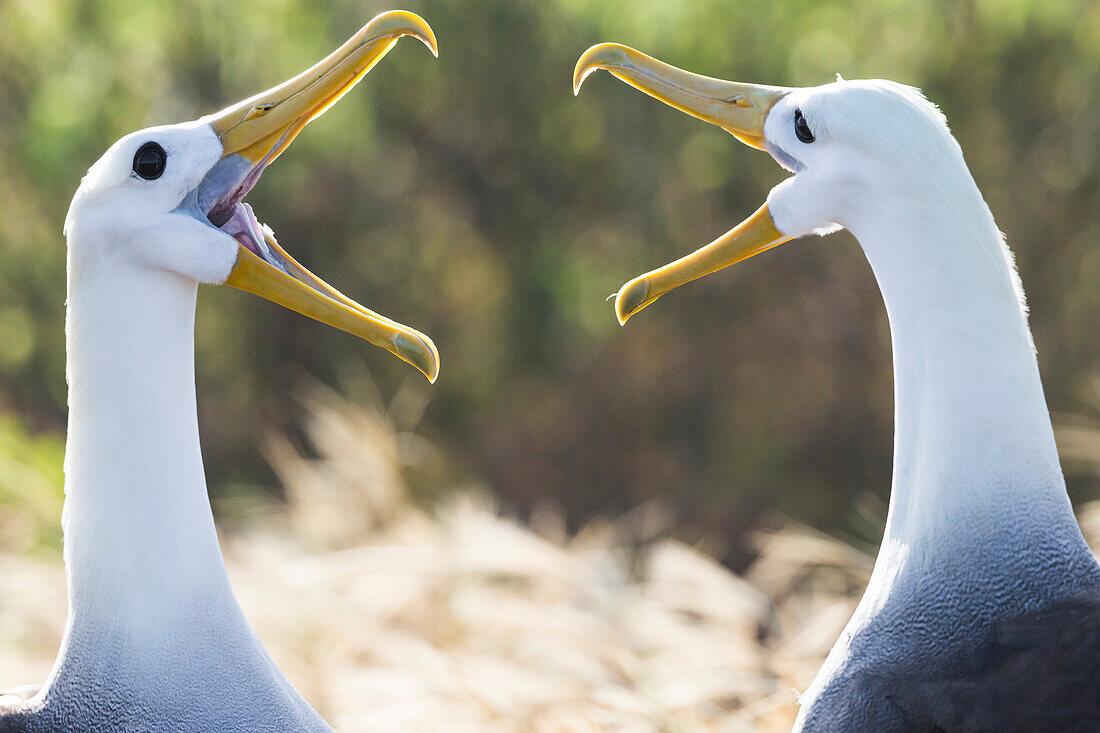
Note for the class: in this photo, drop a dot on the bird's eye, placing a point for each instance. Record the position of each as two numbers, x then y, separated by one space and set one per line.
801 129
149 161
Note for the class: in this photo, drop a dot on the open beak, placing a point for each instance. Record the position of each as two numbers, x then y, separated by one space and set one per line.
256 131
739 109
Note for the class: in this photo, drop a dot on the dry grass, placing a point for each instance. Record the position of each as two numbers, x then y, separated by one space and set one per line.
390 616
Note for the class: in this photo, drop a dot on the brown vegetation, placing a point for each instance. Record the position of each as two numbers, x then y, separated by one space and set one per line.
391 614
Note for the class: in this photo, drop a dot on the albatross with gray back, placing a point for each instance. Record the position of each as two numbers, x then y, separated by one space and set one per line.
983 610
155 638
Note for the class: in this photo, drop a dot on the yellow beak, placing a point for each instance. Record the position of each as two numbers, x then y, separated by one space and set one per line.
739 109
259 129
751 237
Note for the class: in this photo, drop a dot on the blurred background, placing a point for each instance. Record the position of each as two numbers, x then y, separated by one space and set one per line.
475 199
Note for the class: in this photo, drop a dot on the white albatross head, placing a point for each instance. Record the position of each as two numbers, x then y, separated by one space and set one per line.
851 145
169 198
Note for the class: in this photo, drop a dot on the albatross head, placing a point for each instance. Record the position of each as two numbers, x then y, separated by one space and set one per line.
851 145
169 198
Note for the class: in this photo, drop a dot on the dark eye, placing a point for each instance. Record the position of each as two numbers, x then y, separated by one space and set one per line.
149 161
801 129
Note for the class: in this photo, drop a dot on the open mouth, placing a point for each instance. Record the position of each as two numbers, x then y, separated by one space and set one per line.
237 219
259 239
232 215
221 200
256 131
225 208
246 229
228 211
738 108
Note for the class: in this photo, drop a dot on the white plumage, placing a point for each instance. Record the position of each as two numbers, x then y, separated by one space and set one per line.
983 610
155 639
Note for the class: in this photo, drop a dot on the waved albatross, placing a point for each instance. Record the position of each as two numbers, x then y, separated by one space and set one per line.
155 639
983 610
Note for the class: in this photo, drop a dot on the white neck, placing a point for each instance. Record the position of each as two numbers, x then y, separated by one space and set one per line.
980 525
154 630
140 542
973 440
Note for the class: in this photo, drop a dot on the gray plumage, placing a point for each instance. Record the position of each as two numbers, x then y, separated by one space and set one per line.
1003 636
217 677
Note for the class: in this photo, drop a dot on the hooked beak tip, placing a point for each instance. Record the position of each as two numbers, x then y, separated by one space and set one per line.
419 351
597 57
403 23
631 299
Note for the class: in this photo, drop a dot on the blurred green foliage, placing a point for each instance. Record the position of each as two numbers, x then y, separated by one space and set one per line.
474 198
30 489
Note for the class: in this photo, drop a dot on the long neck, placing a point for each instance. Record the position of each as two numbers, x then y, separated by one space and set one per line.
154 632
974 448
140 542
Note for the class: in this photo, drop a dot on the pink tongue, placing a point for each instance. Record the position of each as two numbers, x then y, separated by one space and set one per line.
245 228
